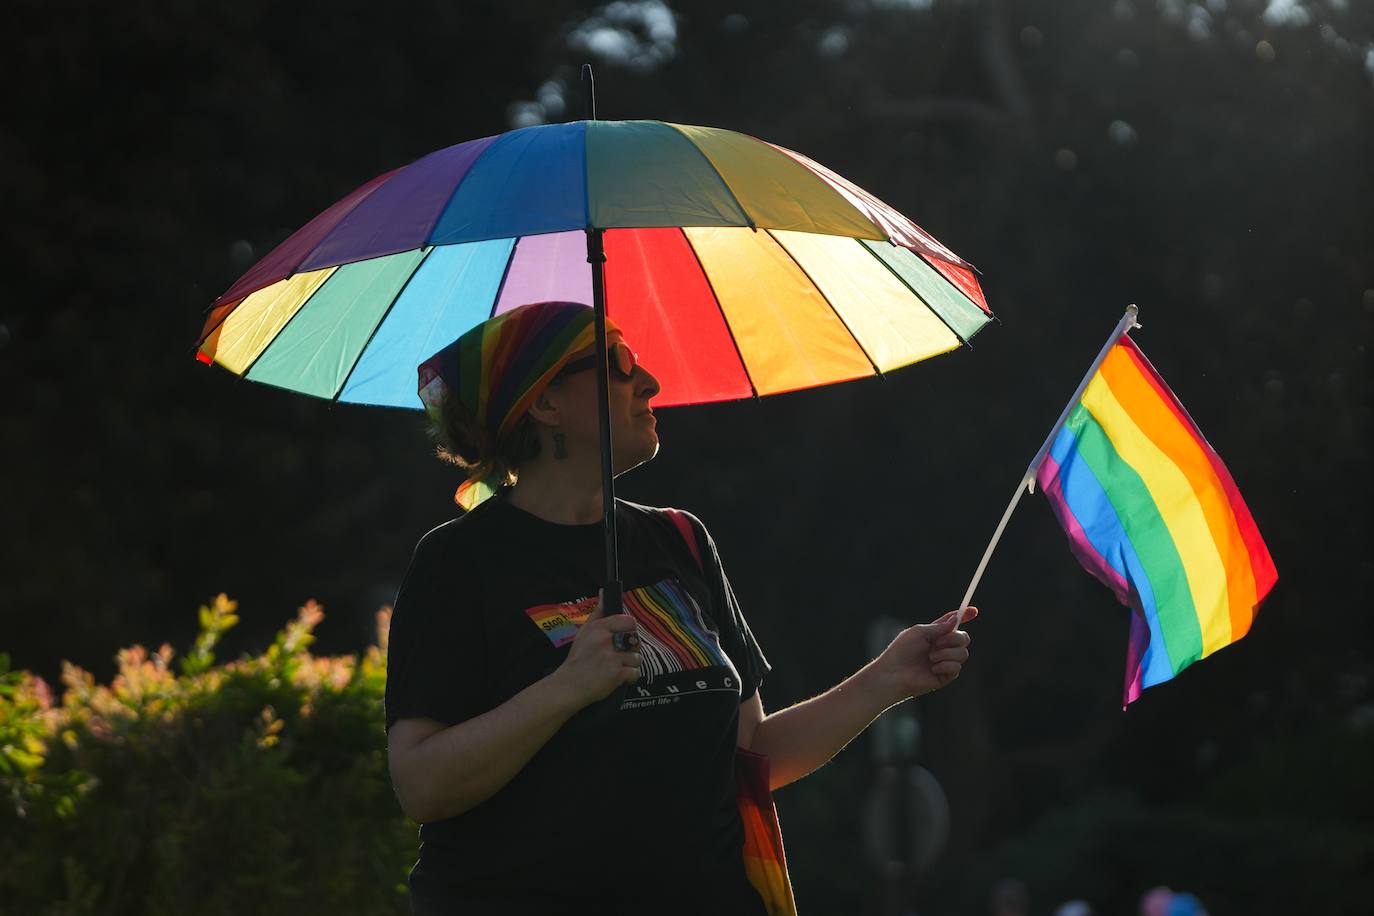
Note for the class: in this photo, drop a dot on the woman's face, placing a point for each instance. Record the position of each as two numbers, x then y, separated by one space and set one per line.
633 433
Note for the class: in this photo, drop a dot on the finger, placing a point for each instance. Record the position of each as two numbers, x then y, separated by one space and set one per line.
949 655
629 675
953 639
621 623
946 669
630 659
945 624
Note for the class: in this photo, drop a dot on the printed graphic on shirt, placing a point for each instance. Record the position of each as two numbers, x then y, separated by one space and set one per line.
674 636
560 622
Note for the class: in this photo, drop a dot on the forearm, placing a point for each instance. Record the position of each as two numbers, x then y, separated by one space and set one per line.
458 767
802 738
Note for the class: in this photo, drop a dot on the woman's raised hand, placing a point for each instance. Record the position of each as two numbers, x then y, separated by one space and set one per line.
925 657
594 666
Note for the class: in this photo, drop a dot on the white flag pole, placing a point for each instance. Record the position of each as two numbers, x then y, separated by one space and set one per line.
1027 482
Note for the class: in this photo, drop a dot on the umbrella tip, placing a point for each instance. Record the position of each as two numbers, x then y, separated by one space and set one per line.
589 91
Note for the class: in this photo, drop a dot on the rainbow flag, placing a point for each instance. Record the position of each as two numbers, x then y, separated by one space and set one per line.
1151 511
765 861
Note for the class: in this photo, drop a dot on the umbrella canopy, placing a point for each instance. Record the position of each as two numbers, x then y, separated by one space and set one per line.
734 266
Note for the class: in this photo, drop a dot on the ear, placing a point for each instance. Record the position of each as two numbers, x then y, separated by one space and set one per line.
545 408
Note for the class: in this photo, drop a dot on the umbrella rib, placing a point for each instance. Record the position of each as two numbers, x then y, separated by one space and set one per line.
501 287
748 217
959 291
281 330
296 263
955 286
724 319
376 327
218 324
826 299
428 238
963 340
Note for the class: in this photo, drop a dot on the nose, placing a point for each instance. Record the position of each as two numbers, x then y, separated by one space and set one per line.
646 386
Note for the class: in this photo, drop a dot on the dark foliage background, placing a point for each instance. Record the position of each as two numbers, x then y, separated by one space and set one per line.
1208 161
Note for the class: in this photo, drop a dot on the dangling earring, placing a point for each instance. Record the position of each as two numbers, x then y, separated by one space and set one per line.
560 445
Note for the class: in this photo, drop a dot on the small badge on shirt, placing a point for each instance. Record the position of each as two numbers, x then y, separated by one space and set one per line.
560 622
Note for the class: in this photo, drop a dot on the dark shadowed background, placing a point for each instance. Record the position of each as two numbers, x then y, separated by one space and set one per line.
1210 162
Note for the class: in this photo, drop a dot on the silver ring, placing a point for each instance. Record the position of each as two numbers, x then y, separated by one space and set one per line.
621 641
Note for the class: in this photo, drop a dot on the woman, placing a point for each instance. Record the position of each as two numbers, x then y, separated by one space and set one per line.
536 793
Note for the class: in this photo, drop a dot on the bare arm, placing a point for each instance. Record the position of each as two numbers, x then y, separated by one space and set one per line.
441 771
802 738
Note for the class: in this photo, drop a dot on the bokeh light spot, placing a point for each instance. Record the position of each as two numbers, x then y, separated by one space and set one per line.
735 24
1122 133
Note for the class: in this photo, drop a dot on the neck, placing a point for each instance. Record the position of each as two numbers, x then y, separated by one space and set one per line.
565 492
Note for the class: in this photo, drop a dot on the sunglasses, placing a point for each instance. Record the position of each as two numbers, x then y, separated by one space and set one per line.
621 358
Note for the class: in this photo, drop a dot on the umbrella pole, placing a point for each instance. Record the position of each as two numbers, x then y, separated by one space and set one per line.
596 256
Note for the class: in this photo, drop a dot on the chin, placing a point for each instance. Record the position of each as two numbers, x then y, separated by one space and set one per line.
643 454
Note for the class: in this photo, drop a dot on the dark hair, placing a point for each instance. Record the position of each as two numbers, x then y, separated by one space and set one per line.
461 440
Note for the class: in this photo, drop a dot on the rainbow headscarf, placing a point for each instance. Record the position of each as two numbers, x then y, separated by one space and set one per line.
498 368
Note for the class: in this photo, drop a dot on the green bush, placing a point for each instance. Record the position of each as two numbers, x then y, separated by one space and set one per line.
255 786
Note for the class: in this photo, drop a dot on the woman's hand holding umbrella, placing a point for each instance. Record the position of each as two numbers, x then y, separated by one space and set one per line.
596 665
442 770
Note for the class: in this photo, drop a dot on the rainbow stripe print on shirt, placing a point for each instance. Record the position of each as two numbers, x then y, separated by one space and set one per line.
672 632
674 635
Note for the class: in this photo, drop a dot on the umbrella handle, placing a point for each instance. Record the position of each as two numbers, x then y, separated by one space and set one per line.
612 598
600 713
612 602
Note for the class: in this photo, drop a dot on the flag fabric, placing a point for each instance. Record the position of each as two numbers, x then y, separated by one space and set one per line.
765 862
1152 512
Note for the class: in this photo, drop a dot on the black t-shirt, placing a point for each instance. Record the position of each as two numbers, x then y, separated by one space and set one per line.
631 804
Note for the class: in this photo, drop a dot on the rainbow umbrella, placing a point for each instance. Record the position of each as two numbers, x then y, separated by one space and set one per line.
736 267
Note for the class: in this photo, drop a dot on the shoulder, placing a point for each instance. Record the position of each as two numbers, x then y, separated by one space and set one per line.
456 537
676 527
441 568
667 517
657 513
